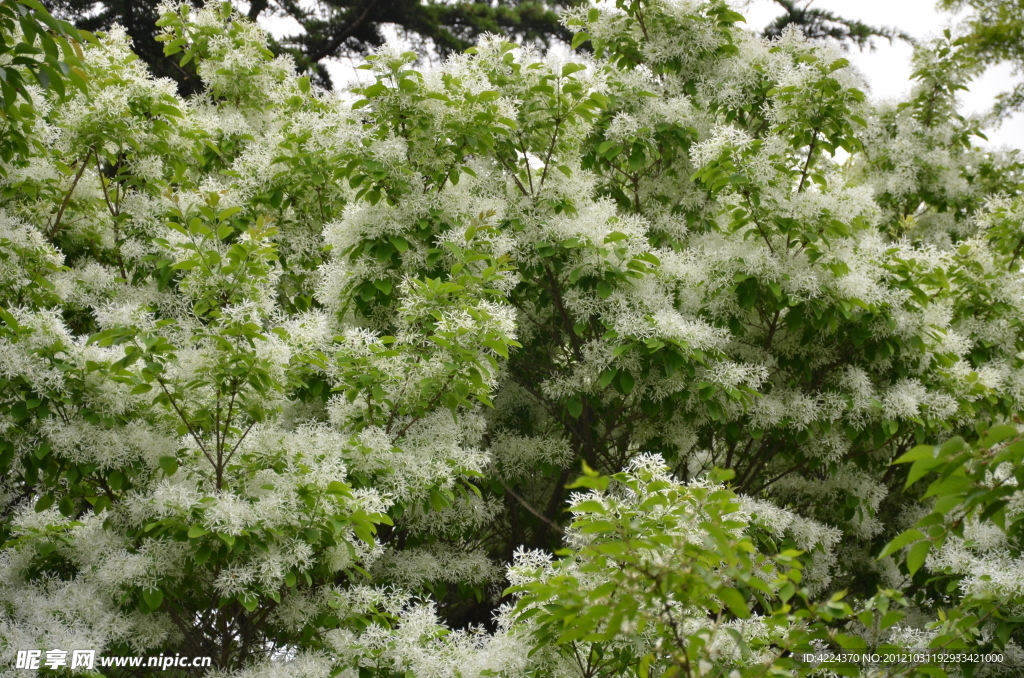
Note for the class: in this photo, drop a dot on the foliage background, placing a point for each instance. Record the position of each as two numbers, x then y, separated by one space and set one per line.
288 378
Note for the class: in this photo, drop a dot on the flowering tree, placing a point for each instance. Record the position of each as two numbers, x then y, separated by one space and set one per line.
992 34
293 377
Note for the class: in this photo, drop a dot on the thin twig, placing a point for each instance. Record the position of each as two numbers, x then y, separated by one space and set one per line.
526 505
807 165
184 419
67 199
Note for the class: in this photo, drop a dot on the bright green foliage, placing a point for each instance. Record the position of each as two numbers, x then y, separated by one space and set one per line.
666 579
970 538
34 48
662 578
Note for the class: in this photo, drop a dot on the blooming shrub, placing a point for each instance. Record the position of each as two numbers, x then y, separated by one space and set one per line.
299 382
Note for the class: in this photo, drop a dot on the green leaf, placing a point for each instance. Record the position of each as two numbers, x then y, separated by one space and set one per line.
921 468
498 347
952 446
101 504
197 531
734 600
644 669
589 482
998 434
917 555
899 542
227 213
916 454
596 526
169 465
721 475
153 597
400 243
45 502
956 484
890 618
589 506
202 554
363 532
438 501
850 642
340 488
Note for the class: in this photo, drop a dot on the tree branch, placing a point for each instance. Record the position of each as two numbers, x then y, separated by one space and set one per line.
67 198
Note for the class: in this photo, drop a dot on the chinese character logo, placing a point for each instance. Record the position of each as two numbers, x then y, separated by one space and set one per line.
31 660
83 659
28 659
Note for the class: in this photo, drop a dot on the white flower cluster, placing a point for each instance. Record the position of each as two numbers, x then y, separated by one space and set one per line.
271 343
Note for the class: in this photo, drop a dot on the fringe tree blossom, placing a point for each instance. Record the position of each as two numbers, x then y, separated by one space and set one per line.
302 383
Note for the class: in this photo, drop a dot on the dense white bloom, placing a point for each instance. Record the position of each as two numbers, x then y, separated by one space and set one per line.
322 363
